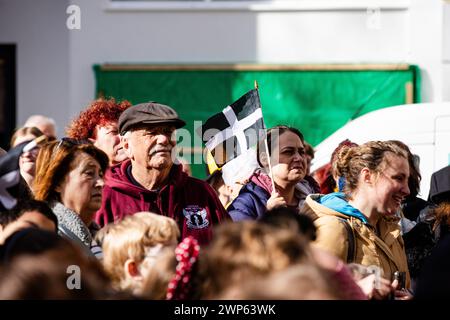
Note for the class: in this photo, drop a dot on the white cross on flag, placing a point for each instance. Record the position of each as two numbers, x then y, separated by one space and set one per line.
234 130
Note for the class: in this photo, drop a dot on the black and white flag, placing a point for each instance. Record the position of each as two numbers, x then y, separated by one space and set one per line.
236 129
10 174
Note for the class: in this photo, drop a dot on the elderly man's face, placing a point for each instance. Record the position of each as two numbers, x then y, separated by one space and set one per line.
151 147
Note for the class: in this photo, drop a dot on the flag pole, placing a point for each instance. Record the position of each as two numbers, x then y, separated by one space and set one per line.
265 143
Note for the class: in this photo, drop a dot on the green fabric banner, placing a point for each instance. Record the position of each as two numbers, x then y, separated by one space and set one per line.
318 102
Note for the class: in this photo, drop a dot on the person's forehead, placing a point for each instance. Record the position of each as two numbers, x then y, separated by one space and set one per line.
396 164
290 139
146 127
83 158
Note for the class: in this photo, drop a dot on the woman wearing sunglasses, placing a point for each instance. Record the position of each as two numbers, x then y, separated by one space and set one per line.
70 178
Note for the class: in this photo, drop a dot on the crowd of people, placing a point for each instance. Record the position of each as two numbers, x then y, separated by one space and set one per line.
110 199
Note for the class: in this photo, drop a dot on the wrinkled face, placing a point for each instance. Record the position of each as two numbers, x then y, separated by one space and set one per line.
81 189
108 140
151 147
391 184
291 164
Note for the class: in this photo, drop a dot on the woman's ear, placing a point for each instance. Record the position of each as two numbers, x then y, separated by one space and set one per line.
366 175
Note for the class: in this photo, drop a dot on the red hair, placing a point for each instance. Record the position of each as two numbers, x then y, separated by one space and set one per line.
99 112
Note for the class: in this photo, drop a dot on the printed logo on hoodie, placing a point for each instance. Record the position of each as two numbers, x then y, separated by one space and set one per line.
196 217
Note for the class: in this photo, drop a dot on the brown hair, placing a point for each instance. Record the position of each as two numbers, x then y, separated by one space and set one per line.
414 173
248 249
45 275
302 281
442 213
54 162
273 134
23 132
351 160
309 150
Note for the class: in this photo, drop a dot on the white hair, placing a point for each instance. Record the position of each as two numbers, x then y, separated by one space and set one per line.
39 119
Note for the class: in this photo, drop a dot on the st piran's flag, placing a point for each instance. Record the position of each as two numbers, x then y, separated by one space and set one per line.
10 175
233 131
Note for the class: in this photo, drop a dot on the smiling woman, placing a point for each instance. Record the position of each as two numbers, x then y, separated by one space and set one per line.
359 225
70 178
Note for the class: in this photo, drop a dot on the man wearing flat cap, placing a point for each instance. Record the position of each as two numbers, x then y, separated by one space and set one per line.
150 181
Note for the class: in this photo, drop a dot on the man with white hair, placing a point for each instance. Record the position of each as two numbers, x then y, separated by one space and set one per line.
45 124
150 180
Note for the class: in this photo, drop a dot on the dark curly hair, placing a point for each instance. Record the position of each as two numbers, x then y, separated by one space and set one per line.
99 112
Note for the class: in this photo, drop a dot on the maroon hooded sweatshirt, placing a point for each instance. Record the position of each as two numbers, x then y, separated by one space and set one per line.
191 202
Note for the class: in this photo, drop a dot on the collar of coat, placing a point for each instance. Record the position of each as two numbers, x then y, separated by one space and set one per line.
388 227
72 221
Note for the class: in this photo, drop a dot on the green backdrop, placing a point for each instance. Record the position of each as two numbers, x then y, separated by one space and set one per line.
317 99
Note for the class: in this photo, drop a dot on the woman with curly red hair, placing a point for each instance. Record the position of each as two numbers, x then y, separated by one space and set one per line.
98 123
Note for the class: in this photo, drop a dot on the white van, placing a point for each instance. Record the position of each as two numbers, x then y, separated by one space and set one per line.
424 127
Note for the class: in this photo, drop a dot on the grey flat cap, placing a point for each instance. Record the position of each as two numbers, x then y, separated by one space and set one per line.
151 113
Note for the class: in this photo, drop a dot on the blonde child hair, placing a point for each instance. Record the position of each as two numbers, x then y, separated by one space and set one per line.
137 237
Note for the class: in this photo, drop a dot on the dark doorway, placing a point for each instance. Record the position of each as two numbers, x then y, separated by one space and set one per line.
7 93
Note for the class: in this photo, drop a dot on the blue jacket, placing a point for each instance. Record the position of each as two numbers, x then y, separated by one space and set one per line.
250 204
252 199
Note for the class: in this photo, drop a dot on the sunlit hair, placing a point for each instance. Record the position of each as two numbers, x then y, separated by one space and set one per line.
132 238
303 281
157 278
371 155
442 214
248 250
99 112
273 134
414 173
55 161
325 175
24 131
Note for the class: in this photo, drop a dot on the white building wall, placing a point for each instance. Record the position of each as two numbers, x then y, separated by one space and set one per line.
55 75
37 27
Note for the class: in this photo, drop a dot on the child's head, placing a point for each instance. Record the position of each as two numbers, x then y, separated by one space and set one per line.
133 245
244 250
